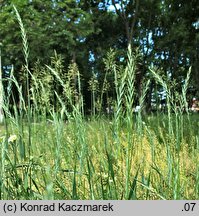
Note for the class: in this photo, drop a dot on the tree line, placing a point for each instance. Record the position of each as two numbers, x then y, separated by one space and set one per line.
80 33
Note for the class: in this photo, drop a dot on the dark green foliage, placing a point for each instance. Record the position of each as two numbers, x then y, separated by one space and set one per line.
166 33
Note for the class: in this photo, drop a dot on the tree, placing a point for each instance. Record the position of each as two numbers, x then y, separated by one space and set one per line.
175 40
51 25
128 12
83 31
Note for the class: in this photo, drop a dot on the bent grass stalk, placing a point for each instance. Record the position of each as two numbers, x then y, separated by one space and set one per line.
26 56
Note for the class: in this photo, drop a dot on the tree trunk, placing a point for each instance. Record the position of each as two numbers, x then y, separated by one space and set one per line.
129 23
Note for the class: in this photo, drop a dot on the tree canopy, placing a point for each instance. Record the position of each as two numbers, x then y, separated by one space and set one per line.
83 31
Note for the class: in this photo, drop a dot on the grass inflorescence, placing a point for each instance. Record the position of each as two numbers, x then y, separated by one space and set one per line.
50 150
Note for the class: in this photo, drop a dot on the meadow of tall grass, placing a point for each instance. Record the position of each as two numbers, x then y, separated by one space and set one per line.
125 156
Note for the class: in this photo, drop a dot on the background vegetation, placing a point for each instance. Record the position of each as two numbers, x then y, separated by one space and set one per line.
74 72
166 33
